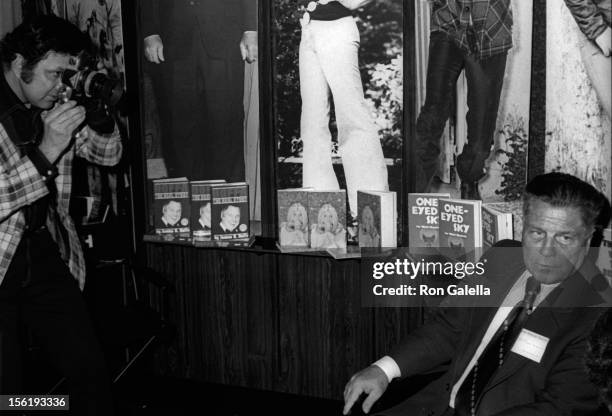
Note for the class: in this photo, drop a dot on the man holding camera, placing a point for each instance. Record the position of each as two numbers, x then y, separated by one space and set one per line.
42 269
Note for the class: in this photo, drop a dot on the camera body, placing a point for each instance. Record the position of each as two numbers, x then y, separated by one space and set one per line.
95 91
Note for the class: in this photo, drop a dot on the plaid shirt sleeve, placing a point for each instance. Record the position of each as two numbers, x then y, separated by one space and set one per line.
99 149
589 17
21 183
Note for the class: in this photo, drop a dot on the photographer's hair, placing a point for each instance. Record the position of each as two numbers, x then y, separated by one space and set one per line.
562 190
34 39
599 356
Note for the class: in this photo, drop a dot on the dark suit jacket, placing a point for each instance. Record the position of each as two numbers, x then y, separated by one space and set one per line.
558 385
219 23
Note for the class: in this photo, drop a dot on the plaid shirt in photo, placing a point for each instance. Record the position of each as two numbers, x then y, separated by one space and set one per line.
21 184
482 28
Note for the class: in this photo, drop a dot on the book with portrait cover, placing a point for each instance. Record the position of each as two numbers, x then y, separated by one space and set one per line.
496 225
377 218
230 211
171 206
460 224
201 207
293 224
327 219
424 219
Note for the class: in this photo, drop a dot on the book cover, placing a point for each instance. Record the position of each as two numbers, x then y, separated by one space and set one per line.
236 242
171 206
496 226
424 219
200 207
377 219
460 224
293 223
327 214
230 211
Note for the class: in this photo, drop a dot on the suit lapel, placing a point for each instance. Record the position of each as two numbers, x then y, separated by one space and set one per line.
479 323
551 315
542 322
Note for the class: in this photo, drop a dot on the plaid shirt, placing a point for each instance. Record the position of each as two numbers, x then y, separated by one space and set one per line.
482 28
21 184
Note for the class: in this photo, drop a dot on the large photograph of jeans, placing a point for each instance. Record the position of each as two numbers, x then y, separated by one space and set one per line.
338 98
473 90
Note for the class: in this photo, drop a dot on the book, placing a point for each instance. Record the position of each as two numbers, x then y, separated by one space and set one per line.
200 207
604 258
293 223
327 214
171 206
424 219
496 225
230 211
460 224
236 242
377 212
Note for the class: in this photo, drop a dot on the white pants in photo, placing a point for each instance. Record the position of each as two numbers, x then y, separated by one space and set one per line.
329 69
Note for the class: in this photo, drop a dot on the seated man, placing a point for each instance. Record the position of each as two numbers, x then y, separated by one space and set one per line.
522 360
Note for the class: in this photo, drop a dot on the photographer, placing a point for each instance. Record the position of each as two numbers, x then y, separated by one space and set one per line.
42 269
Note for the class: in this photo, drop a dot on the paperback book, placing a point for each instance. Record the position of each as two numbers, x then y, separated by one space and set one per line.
496 226
171 206
377 219
327 219
424 219
201 200
461 225
293 223
230 211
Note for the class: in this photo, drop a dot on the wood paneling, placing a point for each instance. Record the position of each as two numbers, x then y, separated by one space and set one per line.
271 321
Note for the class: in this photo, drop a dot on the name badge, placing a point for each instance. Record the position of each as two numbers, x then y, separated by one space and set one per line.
530 345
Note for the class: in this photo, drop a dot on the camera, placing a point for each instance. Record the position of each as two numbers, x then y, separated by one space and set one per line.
95 91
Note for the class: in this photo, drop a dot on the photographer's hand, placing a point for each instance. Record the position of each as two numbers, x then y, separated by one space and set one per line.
60 123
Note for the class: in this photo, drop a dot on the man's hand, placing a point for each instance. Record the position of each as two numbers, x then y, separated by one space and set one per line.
154 49
372 381
604 41
248 46
59 125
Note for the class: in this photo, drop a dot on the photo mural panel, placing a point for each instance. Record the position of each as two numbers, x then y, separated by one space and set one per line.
495 161
201 91
578 86
338 96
